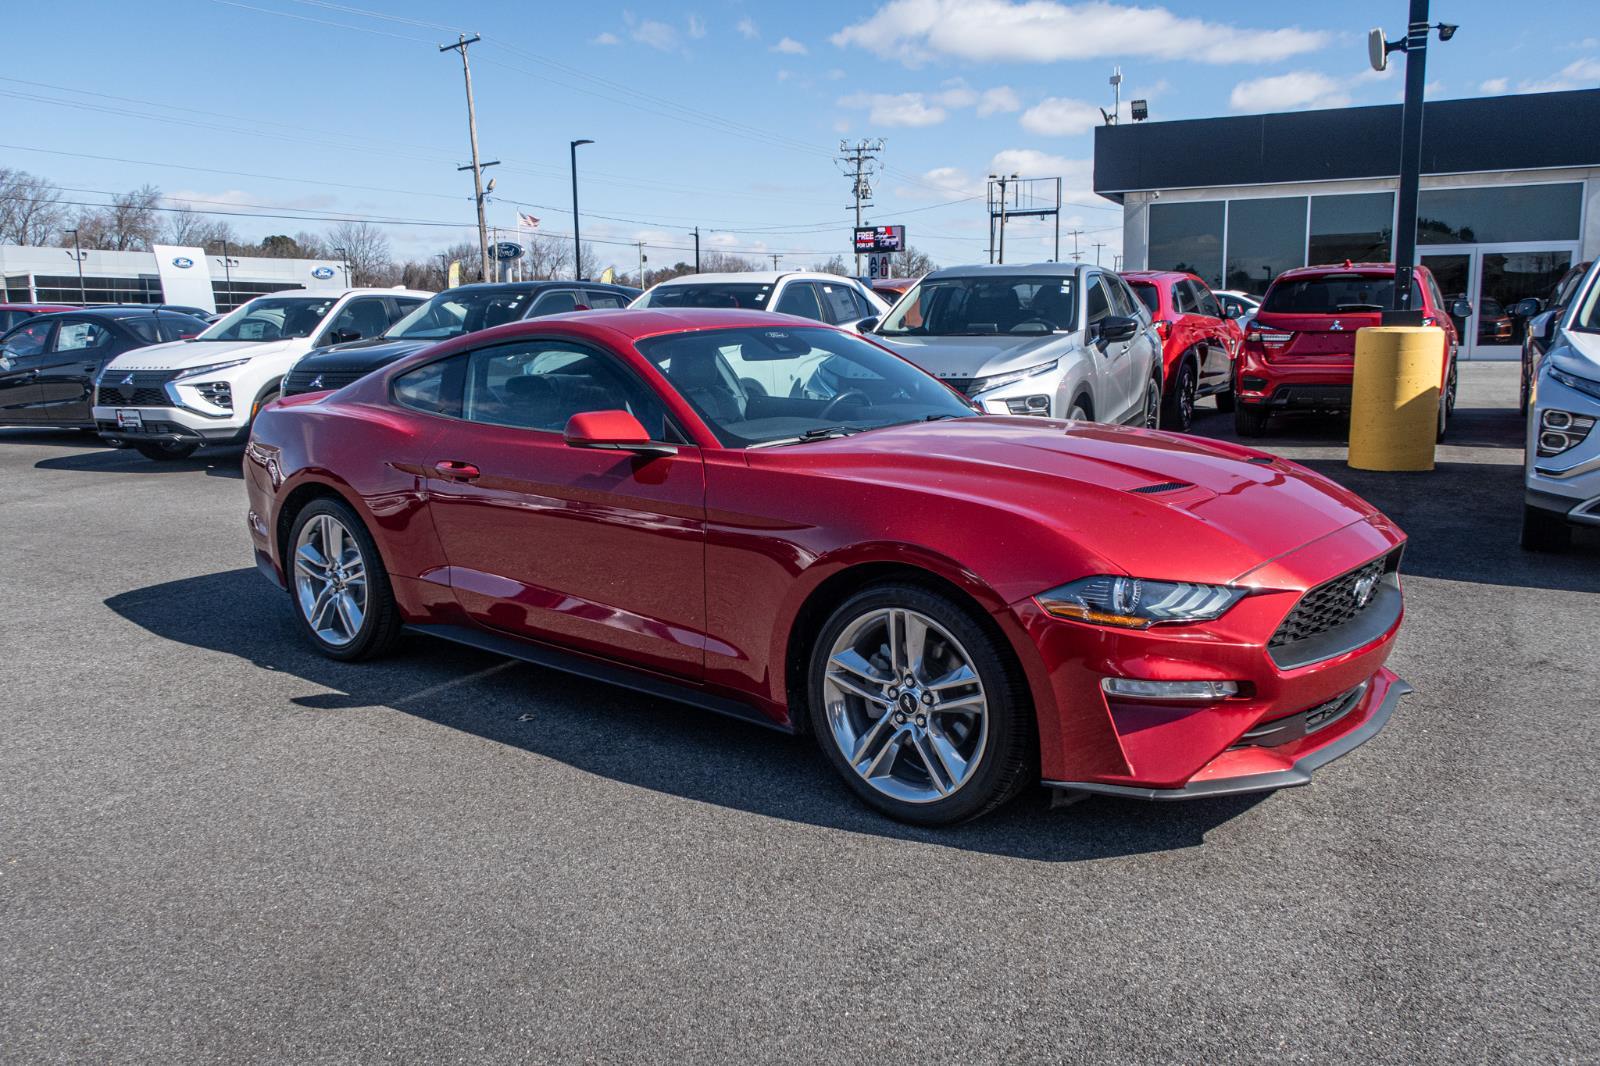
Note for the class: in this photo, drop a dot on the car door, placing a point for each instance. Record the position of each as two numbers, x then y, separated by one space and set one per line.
21 353
800 298
1112 359
364 316
1144 350
555 302
603 300
79 350
1216 363
599 551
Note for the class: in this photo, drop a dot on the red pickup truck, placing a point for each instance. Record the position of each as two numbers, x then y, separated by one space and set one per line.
1300 351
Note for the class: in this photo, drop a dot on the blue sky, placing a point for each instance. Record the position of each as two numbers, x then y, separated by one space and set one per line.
710 112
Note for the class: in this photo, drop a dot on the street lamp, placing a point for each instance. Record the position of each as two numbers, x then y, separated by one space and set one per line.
344 261
77 254
1415 46
577 244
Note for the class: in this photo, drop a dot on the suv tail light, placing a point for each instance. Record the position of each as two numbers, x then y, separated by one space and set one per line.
1269 339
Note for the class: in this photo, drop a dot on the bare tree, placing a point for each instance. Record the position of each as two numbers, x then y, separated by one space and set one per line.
727 263
910 263
29 209
836 265
130 223
191 229
366 249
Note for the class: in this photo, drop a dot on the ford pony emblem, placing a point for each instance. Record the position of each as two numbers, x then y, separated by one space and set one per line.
183 262
322 272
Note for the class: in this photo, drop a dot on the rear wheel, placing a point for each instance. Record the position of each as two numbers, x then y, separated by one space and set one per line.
338 585
1544 531
919 707
1178 413
1447 402
165 450
1150 417
1249 421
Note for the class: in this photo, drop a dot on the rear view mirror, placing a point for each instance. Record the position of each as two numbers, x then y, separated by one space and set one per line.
616 431
1117 328
867 325
1460 309
1526 308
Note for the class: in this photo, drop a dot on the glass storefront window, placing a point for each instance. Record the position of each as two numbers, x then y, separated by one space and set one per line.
1188 237
1498 214
1265 238
1354 226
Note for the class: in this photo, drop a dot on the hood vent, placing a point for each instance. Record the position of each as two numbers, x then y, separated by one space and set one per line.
1261 460
1162 486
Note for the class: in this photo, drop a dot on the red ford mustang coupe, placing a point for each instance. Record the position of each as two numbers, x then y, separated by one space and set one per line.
787 523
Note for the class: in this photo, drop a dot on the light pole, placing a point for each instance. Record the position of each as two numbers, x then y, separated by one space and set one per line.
344 261
577 244
1415 46
227 275
77 254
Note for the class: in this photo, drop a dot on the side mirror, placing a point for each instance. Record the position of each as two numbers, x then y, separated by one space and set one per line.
1460 309
616 431
342 336
1117 328
867 325
1526 308
1233 311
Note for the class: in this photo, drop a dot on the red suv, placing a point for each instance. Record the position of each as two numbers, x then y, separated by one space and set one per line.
1300 352
1199 342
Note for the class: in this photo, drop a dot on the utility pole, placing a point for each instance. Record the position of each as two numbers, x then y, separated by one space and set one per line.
697 249
775 257
856 161
77 254
1097 246
227 274
476 167
643 259
1077 256
344 261
1001 180
577 242
444 270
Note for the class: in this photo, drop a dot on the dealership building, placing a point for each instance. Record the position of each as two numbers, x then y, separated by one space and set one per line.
166 274
1510 197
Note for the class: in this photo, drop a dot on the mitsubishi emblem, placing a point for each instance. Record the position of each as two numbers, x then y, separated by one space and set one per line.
1337 327
128 380
316 383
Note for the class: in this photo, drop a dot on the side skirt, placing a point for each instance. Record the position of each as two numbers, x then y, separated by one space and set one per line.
611 674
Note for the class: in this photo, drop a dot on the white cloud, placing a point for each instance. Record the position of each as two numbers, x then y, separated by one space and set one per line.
1581 74
896 109
790 47
697 26
1045 31
650 32
607 38
747 28
1031 163
1296 90
1495 86
1060 117
1000 98
835 74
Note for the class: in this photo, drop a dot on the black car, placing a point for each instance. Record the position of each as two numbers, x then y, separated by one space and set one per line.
464 309
48 364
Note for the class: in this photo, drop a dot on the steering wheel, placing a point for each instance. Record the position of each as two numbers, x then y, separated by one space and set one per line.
843 396
1035 320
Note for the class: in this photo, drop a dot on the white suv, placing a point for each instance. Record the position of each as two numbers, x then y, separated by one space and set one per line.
1561 466
169 399
838 301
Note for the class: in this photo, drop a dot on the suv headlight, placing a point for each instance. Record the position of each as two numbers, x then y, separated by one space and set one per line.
210 368
1574 382
994 381
1134 603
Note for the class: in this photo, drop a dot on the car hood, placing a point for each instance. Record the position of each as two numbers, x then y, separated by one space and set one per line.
980 356
1150 504
360 355
181 355
1581 352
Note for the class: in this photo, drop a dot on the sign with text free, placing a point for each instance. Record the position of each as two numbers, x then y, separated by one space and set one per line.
873 239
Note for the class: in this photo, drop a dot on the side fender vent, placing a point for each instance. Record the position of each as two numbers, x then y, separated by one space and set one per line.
1162 486
1261 460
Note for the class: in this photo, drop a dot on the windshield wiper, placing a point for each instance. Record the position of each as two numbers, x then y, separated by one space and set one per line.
815 433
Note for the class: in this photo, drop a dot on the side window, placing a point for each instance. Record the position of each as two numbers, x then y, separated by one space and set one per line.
434 388
80 336
364 316
540 384
27 340
600 300
1205 301
554 303
1099 304
1121 302
838 305
864 308
1183 298
167 328
401 306
799 298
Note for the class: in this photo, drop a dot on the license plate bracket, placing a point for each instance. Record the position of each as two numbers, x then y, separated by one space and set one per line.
130 420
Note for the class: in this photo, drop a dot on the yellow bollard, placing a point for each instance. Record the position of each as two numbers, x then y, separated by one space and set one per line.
1394 400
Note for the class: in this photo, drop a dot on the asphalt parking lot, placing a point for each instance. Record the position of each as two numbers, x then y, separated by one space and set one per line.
217 846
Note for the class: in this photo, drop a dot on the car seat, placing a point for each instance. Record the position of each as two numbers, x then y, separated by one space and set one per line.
700 378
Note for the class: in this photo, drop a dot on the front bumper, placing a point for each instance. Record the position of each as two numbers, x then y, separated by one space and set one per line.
1567 483
175 424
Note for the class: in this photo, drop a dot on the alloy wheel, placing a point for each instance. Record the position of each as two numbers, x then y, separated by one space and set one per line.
905 705
1187 387
1152 404
330 580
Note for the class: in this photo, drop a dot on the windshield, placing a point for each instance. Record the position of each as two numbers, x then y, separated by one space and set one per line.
1587 317
451 314
272 318
1330 294
943 307
749 295
767 385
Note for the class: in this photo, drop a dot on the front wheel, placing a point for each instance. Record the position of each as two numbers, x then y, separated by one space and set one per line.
1150 417
919 707
164 451
342 599
1179 412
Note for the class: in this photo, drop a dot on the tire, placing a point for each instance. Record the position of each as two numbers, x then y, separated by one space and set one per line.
1177 412
1079 412
163 451
1228 399
1250 421
366 624
1447 403
918 764
1544 531
261 401
1150 417
1526 390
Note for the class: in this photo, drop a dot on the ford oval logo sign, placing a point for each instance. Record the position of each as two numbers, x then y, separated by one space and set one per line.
323 273
183 262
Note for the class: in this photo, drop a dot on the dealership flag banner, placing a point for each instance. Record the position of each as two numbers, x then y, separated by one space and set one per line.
455 274
526 221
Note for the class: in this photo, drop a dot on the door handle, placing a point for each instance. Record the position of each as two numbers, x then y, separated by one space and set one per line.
455 470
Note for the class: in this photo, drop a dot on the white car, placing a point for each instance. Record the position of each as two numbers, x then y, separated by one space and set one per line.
1050 340
1561 465
169 399
838 301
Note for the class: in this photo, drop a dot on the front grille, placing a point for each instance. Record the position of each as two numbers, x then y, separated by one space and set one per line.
1332 603
1301 725
961 385
144 390
298 381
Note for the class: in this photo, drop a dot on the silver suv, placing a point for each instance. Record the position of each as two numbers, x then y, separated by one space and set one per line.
1561 466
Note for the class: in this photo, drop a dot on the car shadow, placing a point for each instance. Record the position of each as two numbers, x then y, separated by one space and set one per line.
624 736
214 462
55 438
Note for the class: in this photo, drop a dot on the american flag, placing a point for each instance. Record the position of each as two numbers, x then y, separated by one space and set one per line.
527 221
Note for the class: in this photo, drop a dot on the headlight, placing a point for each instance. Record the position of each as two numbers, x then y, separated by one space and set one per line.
211 368
994 381
1573 381
1135 603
